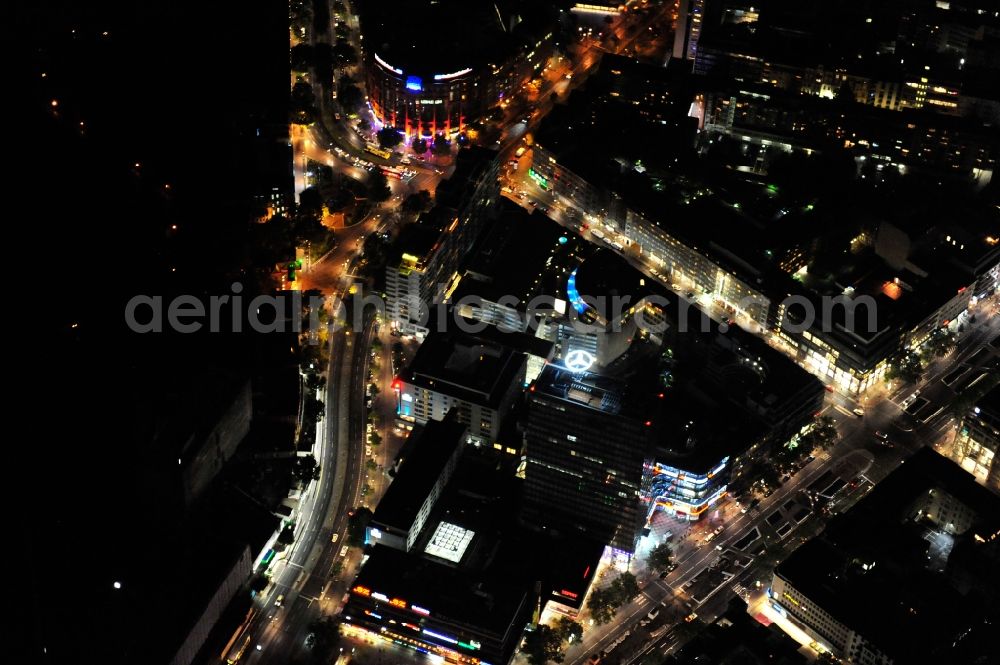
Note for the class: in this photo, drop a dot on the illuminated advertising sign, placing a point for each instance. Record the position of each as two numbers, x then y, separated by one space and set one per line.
578 361
439 636
387 65
445 77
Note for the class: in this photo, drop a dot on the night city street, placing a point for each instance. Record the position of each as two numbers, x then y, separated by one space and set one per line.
621 332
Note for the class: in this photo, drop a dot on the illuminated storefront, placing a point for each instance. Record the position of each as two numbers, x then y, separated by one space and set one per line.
437 626
681 493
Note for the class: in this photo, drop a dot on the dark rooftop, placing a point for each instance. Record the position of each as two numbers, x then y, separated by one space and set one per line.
462 595
519 342
611 395
513 255
691 435
469 366
870 570
736 637
428 450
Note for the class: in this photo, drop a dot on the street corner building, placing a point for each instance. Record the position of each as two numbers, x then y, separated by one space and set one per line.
434 67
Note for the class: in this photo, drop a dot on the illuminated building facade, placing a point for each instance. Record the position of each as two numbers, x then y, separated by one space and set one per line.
472 375
687 29
430 104
750 275
681 493
977 442
436 609
587 440
428 460
472 57
426 257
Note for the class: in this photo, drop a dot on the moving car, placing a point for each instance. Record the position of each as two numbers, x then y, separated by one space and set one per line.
859 412
277 601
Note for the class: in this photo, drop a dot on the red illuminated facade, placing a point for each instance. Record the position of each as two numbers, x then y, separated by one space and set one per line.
429 103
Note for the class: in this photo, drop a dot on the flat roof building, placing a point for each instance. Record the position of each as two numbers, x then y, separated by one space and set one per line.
465 616
431 456
465 590
475 374
587 438
425 259
482 53
977 442
910 574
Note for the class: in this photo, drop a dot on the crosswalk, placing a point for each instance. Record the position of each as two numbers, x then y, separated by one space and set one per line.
742 591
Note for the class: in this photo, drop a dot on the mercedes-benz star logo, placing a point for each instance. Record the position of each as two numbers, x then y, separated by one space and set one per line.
579 360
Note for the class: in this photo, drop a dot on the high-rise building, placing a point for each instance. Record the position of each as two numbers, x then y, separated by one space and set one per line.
587 441
688 30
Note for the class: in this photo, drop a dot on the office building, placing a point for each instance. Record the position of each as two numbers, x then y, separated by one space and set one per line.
757 256
515 266
465 589
977 441
587 439
910 574
425 466
736 637
475 375
699 456
687 30
425 259
464 616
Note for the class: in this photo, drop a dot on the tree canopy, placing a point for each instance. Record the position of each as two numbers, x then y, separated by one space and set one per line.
659 558
378 187
389 137
417 202
906 368
441 145
542 645
603 603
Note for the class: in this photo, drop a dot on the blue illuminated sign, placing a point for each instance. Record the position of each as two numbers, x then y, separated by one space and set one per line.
414 84
574 296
